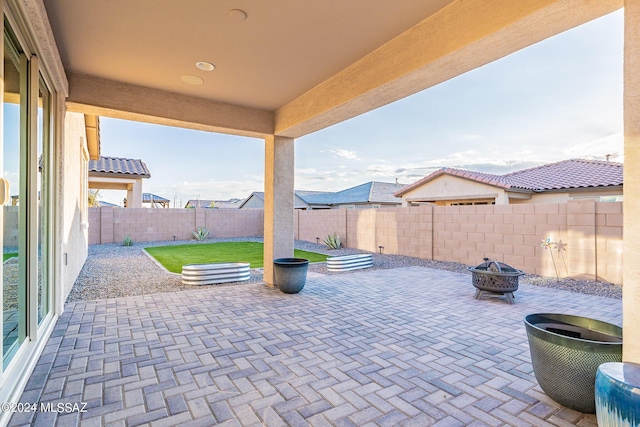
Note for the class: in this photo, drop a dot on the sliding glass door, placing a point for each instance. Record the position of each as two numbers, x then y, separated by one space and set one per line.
26 173
14 136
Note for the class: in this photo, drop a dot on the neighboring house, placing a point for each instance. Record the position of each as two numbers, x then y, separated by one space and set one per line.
115 173
372 194
256 199
155 201
552 183
103 204
213 204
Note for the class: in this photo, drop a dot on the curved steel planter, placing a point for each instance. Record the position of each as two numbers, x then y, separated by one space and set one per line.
566 352
290 274
208 274
349 262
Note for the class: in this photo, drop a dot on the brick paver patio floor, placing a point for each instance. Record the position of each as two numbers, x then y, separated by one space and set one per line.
408 346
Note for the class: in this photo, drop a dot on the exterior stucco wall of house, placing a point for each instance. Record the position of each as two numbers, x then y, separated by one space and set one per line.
564 197
254 203
298 203
71 208
451 188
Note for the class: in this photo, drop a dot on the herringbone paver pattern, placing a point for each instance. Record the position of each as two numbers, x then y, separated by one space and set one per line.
407 347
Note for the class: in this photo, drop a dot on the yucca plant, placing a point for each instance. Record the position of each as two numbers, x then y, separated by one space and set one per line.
201 234
333 241
127 241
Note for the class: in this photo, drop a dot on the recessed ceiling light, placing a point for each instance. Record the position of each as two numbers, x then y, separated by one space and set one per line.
192 80
206 66
238 15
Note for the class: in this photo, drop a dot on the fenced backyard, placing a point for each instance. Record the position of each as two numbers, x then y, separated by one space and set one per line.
591 231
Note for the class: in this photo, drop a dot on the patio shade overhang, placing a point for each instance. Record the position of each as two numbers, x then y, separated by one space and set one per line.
288 69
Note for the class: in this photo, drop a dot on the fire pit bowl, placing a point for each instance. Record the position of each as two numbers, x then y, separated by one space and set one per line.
496 278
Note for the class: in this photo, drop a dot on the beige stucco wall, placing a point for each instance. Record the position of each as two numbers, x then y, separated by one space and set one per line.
73 223
564 197
453 187
631 296
254 203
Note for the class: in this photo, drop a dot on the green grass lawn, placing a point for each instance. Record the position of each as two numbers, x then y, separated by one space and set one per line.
10 255
174 257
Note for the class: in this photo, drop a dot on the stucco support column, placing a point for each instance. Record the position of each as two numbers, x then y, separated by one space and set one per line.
631 267
134 195
278 201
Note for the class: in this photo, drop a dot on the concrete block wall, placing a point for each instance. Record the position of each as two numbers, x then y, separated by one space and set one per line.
508 233
591 231
513 234
109 225
94 226
406 231
320 223
609 241
228 223
11 229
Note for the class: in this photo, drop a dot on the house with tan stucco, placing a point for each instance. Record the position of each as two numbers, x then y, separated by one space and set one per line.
574 179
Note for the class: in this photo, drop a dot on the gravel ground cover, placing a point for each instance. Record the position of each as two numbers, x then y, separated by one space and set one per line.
113 270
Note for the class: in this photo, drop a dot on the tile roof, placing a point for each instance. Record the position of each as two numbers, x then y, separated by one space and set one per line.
574 173
120 166
566 174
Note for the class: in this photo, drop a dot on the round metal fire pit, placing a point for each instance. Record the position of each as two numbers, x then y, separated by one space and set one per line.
496 278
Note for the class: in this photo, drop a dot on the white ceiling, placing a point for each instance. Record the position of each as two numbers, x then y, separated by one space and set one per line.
283 49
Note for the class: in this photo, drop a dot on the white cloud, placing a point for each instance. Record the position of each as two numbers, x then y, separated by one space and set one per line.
345 153
598 148
306 171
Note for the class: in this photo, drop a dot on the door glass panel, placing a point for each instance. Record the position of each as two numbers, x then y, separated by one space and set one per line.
13 281
43 200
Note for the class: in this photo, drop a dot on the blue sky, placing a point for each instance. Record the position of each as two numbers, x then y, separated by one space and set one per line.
558 99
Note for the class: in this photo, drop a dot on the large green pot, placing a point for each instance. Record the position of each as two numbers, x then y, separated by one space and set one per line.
566 352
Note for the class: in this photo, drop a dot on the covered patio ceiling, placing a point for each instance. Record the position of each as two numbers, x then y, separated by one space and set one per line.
291 67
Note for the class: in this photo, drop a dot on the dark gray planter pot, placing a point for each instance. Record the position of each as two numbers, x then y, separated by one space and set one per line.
566 352
290 274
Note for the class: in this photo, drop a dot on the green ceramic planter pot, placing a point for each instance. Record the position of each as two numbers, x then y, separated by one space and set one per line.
566 352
